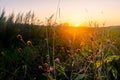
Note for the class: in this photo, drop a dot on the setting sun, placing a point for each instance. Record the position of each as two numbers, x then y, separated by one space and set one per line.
77 25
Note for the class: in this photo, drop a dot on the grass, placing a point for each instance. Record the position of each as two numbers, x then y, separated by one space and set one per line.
56 52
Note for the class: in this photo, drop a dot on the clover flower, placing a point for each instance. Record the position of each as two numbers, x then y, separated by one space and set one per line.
57 60
51 69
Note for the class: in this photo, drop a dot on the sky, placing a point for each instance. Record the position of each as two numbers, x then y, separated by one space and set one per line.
71 11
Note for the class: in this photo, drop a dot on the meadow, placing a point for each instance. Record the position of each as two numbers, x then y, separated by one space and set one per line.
57 51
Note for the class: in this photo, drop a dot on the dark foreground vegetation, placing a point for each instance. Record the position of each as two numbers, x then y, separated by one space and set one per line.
57 52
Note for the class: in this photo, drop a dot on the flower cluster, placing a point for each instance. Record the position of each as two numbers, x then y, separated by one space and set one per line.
46 68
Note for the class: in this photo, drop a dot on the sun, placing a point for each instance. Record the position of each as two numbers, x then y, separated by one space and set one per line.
76 25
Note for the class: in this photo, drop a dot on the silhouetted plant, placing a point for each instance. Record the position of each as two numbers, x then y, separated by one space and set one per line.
2 18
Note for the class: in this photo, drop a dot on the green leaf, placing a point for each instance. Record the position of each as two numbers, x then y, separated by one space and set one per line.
80 76
48 76
111 58
114 72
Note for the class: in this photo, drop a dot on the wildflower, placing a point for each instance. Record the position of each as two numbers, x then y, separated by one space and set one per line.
91 39
68 51
45 67
2 53
20 50
77 50
57 60
62 48
46 64
99 43
45 39
51 69
40 67
113 43
89 57
29 43
108 41
19 37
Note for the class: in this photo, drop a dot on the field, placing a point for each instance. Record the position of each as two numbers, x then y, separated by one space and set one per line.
57 52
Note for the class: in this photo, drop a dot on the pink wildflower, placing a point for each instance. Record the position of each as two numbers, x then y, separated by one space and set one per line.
57 60
51 69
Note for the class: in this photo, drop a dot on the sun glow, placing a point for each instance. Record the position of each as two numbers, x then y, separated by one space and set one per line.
76 25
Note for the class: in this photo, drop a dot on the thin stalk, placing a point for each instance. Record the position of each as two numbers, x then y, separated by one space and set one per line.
57 10
54 52
47 42
72 52
54 39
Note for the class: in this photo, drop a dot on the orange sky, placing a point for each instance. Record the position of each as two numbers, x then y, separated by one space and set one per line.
72 11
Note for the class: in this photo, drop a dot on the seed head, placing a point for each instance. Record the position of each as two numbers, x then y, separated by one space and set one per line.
108 41
113 43
91 39
19 37
20 50
40 67
29 43
46 65
2 53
